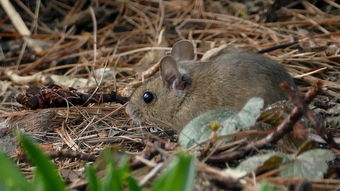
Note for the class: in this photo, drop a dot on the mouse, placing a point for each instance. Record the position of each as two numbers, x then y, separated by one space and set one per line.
186 88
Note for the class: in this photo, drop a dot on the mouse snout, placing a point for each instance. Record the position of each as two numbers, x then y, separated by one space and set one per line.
132 111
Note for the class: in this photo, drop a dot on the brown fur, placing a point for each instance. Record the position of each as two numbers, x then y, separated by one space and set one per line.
226 82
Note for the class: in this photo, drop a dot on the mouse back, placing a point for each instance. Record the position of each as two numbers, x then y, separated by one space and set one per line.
186 88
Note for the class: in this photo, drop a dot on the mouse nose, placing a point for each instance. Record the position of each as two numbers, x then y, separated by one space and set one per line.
132 111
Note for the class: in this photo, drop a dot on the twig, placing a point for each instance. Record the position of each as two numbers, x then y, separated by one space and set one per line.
55 96
222 177
280 46
310 73
328 137
151 174
93 16
19 24
72 154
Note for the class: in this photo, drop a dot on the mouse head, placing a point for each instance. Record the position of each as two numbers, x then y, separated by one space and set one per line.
158 98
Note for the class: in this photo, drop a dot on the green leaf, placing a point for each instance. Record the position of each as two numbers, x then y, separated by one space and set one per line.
310 164
49 176
124 171
109 155
93 183
132 184
198 131
178 176
117 171
244 119
262 161
123 166
265 186
37 182
112 179
10 177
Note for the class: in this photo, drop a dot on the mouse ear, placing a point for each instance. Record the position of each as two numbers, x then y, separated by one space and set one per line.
171 76
183 50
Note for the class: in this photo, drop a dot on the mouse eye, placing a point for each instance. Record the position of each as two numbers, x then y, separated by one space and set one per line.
148 97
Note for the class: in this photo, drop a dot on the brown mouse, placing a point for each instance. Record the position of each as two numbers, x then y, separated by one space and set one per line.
187 88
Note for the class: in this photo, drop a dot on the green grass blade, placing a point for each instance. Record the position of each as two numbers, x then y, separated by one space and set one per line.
179 175
112 179
51 179
10 177
93 183
37 182
265 186
132 184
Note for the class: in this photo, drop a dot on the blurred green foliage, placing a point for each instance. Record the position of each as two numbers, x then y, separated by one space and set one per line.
179 175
